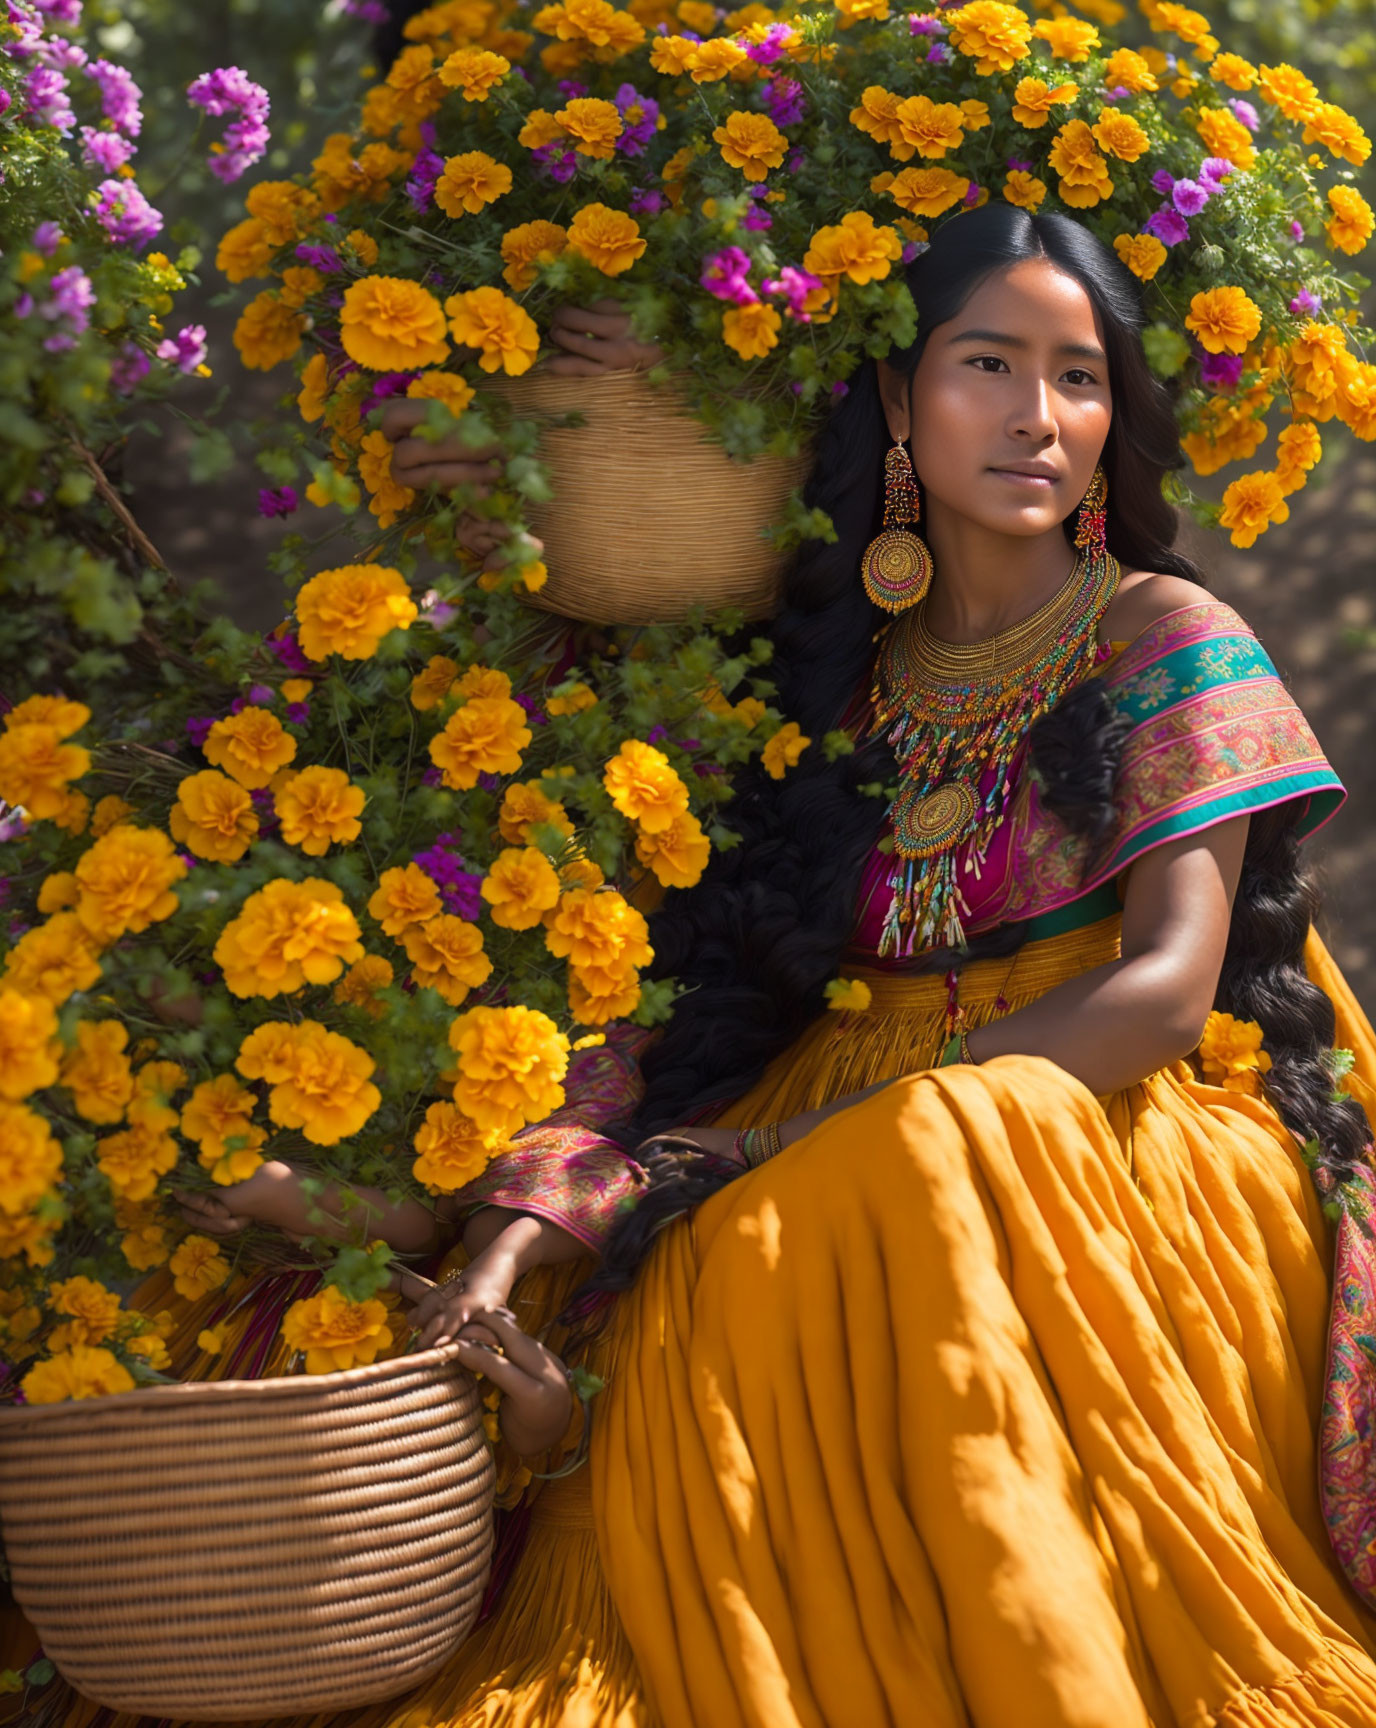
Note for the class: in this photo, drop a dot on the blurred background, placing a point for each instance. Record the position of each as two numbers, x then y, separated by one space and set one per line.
1308 587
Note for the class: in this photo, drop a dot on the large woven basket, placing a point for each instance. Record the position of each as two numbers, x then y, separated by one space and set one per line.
649 518
252 1547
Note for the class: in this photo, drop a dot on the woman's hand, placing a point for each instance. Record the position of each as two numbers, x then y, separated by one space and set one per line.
537 1400
443 1312
716 1142
597 339
444 462
232 1209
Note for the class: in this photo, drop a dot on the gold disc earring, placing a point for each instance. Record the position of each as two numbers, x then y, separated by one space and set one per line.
897 565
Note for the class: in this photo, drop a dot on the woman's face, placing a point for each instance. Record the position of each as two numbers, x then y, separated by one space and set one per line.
1009 407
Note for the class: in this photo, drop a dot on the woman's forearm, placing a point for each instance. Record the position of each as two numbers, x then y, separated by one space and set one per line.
518 1240
276 1194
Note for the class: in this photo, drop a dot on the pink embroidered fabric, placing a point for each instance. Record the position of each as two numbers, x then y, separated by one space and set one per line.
1347 1423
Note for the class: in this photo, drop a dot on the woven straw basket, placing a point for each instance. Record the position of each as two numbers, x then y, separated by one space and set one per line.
253 1547
649 518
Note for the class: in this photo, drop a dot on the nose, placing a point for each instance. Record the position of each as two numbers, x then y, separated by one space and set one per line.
1034 416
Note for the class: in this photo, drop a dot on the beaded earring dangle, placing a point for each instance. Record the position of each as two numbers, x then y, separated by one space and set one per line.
1091 519
897 566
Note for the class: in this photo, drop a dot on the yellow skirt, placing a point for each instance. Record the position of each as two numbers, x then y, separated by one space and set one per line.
988 1402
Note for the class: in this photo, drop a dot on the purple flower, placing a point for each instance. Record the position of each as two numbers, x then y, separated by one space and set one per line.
66 12
1297 230
1306 304
972 193
298 713
186 350
771 47
1213 171
1189 197
420 182
261 694
367 11
1168 225
534 713
938 54
559 162
69 305
281 501
386 385
47 237
128 369
1018 166
640 118
23 303
926 24
59 54
726 274
322 258
757 221
783 101
645 201
106 151
119 96
229 89
793 285
657 734
570 89
125 214
198 728
1163 182
46 99
1220 371
289 651
266 807
5 99
839 388
1117 93
1245 112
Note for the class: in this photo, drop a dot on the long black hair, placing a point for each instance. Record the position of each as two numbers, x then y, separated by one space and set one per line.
756 942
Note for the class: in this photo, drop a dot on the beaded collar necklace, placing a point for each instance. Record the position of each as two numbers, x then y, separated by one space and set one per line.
955 714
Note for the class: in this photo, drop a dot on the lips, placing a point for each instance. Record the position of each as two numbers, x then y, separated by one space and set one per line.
1048 474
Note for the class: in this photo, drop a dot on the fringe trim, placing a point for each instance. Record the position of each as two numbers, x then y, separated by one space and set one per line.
1336 1690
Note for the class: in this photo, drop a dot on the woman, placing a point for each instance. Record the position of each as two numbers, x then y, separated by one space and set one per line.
968 1353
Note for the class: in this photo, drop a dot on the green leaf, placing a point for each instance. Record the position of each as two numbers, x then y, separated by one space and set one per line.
39 1673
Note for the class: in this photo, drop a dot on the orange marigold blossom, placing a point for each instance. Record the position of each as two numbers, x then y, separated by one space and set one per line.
511 1065
387 497
1118 134
1319 360
197 1267
125 881
712 61
1290 90
474 72
540 130
132 1160
237 1162
479 680
644 786
213 817
211 1340
326 1090
1142 253
528 245
83 1371
269 1051
1084 172
446 955
456 393
1125 68
404 896
520 887
1356 403
287 935
995 36
154 1084
783 750
53 959
525 806
593 124
37 768
1067 38
250 746
1350 226
1034 98
596 998
217 1111
317 808
269 331
923 191
285 210
30 1159
315 387
1233 70
599 928
389 324
877 114
1225 320
451 1150
58 892
244 251
486 735
1298 449
504 333
1230 1052
1250 505
1223 134
151 1348
29 1047
93 1312
144 1246
677 854
571 700
60 712
1189 25
609 239
471 181
751 330
96 1071
348 610
856 248
335 1333
1335 128
359 986
1023 190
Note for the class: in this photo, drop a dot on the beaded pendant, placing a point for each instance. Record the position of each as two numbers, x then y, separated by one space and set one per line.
955 715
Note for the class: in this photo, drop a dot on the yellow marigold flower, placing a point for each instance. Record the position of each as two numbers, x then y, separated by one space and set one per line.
1224 319
318 808
359 986
1319 360
751 330
710 62
53 960
1233 70
1126 69
478 680
528 245
132 1160
1250 505
1349 228
348 611
108 814
335 1333
677 854
84 1371
96 1071
593 124
154 1084
672 56
927 127
389 324
269 1052
125 882
643 785
144 1246
326 1091
411 79
93 1311
849 995
512 1062
213 817
1034 98
451 1150
572 700
1298 449
1287 88
1227 432
58 892
599 928
1024 190
597 997
151 1348
299 282
76 808
244 251
486 735
387 498
287 935
474 72
1230 1052
37 766
783 750
540 129
29 1047
1119 135
218 1110
1190 26
29 1235
456 393
315 387
285 210
471 181
520 887
211 1340
854 248
1083 171
59 712
1356 403
877 114
1142 253
974 116
505 334
252 745
525 806
1223 134
430 686
609 239
446 955
30 1159
363 246
1339 131
268 332
993 35
1067 38
296 689
237 1163
752 143
197 1268
404 896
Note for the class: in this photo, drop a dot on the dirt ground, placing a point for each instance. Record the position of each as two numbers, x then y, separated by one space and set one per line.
1308 588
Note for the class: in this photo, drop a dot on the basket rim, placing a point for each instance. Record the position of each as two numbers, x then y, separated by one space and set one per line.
188 1392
